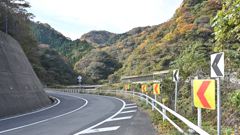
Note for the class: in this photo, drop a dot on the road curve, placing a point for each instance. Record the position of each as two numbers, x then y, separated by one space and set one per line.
75 113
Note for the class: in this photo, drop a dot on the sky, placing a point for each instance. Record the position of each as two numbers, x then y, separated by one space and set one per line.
73 18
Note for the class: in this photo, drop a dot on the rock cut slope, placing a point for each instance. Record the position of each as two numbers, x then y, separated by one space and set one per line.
20 89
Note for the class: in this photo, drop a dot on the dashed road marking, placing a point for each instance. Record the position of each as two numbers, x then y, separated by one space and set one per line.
97 130
131 111
120 118
130 107
91 128
110 119
130 104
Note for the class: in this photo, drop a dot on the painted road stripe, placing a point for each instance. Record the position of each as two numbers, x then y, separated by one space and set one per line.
58 102
91 128
131 104
100 130
86 102
129 111
130 107
120 118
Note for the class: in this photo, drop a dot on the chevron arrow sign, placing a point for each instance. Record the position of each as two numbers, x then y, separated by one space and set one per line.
143 88
204 94
217 65
175 75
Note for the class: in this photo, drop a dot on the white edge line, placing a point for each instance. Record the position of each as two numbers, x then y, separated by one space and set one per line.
49 118
101 130
124 104
33 112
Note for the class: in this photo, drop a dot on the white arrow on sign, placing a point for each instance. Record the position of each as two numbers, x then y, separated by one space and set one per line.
175 75
217 65
79 77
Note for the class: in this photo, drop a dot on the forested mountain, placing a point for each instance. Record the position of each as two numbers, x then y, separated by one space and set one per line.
98 64
188 34
143 50
97 37
73 50
55 69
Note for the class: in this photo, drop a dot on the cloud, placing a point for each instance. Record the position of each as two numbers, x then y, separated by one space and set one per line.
116 16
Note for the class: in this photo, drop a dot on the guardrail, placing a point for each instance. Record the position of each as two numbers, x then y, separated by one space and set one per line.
149 100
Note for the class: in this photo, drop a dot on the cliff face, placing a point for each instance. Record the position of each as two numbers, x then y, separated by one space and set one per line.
20 89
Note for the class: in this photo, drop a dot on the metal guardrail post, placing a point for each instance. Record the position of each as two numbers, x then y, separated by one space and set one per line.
152 105
164 112
146 100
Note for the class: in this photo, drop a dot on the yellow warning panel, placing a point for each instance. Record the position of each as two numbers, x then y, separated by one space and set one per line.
144 89
204 94
156 89
127 87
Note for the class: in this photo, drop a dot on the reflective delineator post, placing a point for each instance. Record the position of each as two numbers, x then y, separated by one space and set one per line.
164 110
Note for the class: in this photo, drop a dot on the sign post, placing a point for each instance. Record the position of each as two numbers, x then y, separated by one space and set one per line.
79 80
160 92
175 79
217 71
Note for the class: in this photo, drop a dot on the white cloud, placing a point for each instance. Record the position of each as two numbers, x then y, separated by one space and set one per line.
116 16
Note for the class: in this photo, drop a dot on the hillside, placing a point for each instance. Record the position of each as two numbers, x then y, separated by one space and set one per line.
55 67
143 50
98 64
97 37
187 32
73 50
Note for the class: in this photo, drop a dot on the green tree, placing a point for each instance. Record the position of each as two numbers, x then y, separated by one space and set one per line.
227 23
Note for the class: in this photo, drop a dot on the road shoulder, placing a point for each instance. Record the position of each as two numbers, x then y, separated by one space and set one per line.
141 125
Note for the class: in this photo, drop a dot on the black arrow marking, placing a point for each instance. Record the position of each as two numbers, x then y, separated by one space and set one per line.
175 75
215 63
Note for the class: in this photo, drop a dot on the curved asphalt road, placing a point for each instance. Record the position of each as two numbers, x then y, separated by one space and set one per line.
75 114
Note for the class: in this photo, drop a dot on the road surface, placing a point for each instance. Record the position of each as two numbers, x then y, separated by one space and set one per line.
77 114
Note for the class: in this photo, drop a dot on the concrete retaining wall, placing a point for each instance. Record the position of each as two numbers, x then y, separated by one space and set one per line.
20 89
